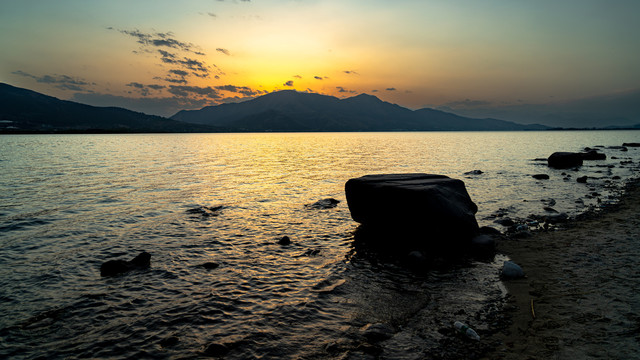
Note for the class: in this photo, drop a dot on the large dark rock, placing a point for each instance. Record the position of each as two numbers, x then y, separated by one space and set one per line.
433 206
115 267
564 160
633 144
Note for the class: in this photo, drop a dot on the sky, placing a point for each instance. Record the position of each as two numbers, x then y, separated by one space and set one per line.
160 56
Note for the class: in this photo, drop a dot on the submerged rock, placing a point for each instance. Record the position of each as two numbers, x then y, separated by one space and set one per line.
474 172
210 265
324 204
285 240
434 206
377 332
564 160
115 267
206 211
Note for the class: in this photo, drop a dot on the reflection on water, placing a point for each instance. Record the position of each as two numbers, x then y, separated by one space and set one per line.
70 202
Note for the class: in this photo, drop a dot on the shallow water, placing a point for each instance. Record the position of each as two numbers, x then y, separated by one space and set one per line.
70 202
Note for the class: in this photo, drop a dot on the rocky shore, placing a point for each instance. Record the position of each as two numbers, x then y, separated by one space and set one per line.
579 298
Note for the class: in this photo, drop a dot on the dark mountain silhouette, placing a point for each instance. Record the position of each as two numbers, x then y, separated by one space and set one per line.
23 110
289 110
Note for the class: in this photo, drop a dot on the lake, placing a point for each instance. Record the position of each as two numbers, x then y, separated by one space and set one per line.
71 202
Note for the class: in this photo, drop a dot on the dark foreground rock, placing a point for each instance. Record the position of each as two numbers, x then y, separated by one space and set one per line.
564 160
433 206
115 267
634 144
540 176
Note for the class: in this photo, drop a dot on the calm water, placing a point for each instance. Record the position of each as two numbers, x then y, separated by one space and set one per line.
70 202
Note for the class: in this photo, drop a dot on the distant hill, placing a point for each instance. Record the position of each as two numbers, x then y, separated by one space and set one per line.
23 110
289 110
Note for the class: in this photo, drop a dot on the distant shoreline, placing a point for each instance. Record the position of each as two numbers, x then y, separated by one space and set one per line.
94 132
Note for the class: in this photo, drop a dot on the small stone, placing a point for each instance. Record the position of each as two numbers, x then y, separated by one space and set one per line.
558 218
511 270
285 240
582 179
324 204
540 176
474 172
505 222
210 265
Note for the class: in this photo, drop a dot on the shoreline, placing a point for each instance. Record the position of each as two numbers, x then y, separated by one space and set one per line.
578 298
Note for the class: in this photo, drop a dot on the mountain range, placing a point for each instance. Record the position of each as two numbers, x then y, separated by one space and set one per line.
26 111
23 110
289 110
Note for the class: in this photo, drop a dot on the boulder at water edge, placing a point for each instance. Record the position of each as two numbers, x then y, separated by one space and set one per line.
564 160
434 206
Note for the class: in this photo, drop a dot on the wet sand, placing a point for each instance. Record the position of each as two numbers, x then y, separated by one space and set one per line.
581 295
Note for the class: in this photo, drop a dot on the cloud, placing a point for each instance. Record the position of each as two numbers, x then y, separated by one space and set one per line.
173 80
244 90
350 72
224 51
179 72
198 67
391 89
288 83
145 90
212 15
318 77
159 39
63 82
297 76
185 91
172 52
343 90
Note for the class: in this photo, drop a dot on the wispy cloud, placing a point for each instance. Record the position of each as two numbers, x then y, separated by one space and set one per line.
288 83
224 51
343 90
391 89
297 76
63 82
159 39
145 90
350 72
185 91
318 77
244 90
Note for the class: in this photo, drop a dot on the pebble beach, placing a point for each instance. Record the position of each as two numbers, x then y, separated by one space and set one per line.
579 298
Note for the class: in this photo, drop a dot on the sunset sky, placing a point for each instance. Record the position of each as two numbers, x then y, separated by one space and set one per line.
162 56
